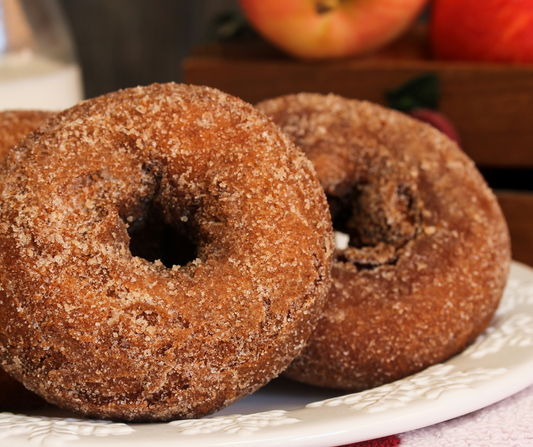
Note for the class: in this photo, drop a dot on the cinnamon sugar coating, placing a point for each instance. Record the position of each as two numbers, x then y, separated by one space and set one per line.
429 251
99 331
14 126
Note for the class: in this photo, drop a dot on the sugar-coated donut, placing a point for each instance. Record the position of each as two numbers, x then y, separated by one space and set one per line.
97 330
14 125
428 252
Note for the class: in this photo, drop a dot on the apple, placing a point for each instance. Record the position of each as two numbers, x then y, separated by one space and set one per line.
438 120
482 30
321 29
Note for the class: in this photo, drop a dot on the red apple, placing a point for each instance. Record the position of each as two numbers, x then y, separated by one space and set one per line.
438 120
483 30
319 29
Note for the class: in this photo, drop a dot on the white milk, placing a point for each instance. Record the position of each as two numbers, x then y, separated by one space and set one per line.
28 81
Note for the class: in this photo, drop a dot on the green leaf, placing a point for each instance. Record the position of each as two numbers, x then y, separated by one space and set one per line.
230 26
419 92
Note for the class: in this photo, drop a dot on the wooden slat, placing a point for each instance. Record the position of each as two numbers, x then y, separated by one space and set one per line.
491 105
518 210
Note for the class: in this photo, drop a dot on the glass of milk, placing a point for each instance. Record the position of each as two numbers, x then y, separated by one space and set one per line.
38 68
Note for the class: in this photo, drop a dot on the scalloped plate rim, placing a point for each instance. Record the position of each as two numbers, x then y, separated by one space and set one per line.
340 420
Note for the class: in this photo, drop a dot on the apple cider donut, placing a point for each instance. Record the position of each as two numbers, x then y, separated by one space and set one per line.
94 329
14 125
428 251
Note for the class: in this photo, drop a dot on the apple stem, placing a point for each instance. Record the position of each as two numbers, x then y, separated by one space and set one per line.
325 6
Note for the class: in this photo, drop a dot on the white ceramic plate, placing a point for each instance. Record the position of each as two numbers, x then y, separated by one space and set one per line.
285 413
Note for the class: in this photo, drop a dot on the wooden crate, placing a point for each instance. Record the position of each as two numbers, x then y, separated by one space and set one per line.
491 105
517 206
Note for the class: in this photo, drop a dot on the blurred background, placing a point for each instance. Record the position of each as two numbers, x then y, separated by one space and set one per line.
125 43
106 45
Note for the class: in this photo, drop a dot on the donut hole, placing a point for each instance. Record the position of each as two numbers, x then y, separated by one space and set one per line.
152 238
374 221
342 210
374 213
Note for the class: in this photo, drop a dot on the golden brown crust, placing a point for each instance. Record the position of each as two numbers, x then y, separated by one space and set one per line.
14 126
110 335
429 248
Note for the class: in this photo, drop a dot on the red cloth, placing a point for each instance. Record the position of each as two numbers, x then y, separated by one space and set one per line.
389 441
